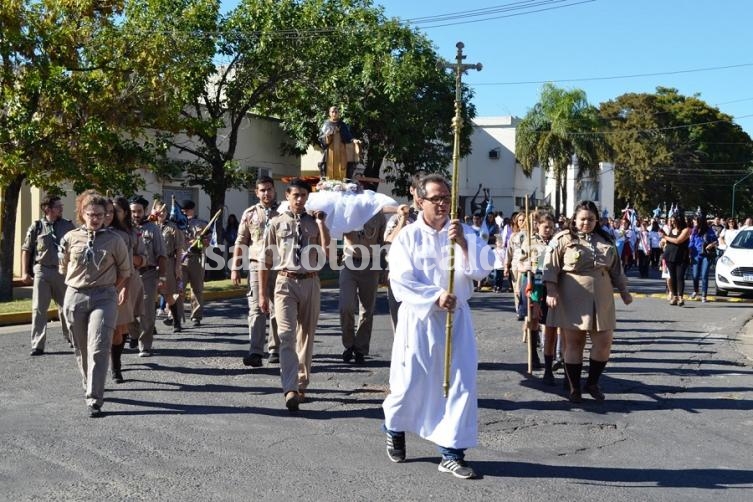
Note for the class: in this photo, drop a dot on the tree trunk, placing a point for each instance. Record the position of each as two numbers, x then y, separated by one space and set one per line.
217 202
557 194
563 185
10 205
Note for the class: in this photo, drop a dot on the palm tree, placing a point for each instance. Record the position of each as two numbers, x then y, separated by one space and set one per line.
561 125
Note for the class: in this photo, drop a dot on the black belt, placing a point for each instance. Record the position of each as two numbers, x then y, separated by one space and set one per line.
143 270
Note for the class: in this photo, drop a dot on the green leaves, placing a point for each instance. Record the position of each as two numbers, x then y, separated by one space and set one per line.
675 149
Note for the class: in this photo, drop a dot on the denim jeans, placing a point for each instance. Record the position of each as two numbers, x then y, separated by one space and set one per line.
701 266
451 453
447 453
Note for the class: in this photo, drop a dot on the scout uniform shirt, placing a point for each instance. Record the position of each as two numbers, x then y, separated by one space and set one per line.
42 241
93 259
289 233
586 269
155 247
361 241
254 223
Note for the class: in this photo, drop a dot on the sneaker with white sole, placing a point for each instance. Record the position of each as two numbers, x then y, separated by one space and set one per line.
458 468
396 447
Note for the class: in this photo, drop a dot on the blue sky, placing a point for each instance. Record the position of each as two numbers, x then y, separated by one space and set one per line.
595 45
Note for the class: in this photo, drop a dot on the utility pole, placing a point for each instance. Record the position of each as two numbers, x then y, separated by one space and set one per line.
734 186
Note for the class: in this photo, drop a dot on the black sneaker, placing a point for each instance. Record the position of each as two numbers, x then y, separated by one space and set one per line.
117 376
458 468
360 358
133 343
36 352
168 321
196 322
396 447
274 358
253 360
95 410
347 355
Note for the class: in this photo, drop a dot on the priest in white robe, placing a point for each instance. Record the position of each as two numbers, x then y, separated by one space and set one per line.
419 273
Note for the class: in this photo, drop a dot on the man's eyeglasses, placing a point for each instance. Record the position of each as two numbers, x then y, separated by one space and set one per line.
439 199
97 216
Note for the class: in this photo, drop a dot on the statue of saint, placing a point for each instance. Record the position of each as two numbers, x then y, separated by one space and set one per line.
335 138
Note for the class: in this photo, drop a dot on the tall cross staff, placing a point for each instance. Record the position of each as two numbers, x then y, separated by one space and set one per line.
457 123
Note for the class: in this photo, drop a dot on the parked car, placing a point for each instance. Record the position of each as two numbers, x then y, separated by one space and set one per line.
734 270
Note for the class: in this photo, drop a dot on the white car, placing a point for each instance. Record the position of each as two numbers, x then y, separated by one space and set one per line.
734 270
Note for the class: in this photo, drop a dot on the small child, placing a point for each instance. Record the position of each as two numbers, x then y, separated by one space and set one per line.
500 261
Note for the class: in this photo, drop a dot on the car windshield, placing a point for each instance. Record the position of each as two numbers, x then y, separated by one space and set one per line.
743 240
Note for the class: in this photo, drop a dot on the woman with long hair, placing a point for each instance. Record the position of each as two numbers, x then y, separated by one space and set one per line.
518 221
703 242
118 218
581 271
677 256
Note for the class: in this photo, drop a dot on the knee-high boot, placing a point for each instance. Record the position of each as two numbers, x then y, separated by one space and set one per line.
115 354
595 369
573 372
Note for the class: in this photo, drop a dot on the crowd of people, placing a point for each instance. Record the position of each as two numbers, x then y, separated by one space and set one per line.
108 272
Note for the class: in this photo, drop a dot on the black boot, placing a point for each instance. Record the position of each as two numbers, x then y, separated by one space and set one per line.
535 355
595 369
176 318
115 354
573 371
548 373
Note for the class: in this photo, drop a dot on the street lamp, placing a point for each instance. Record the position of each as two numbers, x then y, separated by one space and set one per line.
734 186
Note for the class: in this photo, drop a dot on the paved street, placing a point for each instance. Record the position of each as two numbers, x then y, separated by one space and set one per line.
192 423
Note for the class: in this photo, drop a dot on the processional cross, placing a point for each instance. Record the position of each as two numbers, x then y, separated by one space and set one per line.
457 122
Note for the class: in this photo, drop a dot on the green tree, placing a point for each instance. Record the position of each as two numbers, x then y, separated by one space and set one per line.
393 95
76 93
560 125
291 60
669 148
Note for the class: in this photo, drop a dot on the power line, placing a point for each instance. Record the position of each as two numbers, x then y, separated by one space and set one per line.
545 5
617 77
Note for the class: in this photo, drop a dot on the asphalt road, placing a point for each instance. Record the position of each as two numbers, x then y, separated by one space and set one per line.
192 423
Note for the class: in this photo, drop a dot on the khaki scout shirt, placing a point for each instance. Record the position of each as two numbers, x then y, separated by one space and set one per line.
359 242
537 254
194 228
96 262
583 255
173 240
280 241
43 238
254 222
152 236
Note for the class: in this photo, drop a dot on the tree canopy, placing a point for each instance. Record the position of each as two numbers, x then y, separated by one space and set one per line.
669 148
560 125
78 82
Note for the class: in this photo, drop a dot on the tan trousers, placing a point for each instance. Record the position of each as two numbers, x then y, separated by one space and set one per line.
48 285
358 289
297 303
257 320
193 274
91 315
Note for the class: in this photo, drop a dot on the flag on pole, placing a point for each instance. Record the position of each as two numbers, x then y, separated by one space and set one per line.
213 239
177 216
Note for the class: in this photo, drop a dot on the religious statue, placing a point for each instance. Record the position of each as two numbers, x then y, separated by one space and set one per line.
335 138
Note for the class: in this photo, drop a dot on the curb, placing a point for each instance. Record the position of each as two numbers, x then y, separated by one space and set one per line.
16 318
